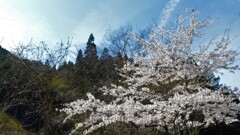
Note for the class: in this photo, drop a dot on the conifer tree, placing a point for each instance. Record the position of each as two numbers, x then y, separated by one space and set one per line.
106 67
80 72
79 56
91 51
91 62
105 54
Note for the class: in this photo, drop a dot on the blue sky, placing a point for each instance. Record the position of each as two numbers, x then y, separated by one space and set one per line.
53 20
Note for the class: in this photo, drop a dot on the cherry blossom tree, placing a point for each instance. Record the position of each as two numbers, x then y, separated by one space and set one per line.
164 84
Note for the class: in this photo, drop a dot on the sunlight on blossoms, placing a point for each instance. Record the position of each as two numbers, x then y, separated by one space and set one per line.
166 86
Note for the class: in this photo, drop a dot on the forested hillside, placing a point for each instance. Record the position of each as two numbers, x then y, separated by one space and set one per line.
147 82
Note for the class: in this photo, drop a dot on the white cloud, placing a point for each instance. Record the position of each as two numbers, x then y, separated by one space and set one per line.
167 11
17 26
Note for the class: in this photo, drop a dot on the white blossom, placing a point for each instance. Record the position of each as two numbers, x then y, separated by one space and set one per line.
169 62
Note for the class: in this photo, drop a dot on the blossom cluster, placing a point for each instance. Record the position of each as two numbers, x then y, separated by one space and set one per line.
179 97
214 106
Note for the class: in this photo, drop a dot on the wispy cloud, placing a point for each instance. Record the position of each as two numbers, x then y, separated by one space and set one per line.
167 11
17 26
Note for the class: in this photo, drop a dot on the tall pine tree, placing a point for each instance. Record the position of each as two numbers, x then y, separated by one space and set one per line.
106 67
79 58
91 50
91 62
80 75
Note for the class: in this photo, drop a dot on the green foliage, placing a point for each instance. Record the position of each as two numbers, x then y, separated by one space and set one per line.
9 126
57 84
5 67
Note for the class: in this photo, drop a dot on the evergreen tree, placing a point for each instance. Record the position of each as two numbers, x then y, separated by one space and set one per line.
105 54
119 60
106 68
3 51
80 72
79 57
91 50
47 63
91 63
